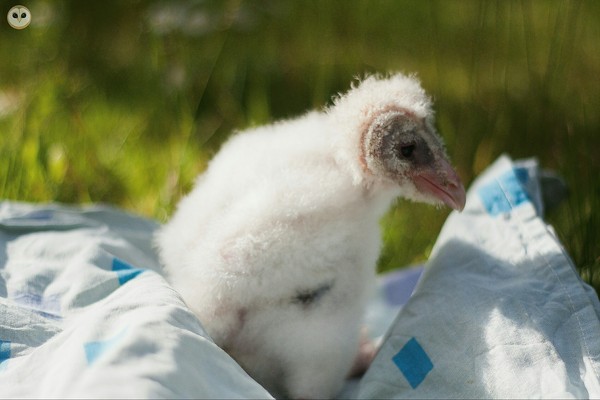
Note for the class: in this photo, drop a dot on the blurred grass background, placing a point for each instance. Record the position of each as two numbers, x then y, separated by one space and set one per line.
124 102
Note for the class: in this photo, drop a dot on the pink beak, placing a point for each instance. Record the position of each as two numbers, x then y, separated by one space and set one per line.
442 183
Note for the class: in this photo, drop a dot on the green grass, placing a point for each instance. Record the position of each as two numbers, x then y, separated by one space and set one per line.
103 102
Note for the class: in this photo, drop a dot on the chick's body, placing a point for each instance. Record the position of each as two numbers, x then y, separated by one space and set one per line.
275 247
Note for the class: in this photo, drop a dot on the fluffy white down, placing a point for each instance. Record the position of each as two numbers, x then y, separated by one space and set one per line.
283 209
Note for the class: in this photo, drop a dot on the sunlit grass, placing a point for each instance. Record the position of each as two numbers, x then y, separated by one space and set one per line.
95 108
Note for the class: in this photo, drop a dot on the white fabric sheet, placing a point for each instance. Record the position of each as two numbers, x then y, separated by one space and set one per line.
82 314
499 310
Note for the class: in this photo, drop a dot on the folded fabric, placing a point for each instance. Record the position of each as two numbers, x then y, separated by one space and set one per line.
499 312
83 314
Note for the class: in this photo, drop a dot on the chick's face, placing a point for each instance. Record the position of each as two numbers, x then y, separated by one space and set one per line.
405 149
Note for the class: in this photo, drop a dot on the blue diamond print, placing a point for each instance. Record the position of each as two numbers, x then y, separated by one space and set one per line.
5 353
504 193
125 272
413 362
93 350
4 350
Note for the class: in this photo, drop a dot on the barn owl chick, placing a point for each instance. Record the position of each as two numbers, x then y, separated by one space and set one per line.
275 247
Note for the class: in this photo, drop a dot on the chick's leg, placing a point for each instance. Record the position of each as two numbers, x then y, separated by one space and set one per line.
367 349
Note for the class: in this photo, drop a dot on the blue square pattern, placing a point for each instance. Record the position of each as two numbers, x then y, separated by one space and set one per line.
505 192
125 272
4 350
4 353
94 350
413 362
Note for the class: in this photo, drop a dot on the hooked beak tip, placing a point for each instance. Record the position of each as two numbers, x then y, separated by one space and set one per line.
456 196
444 184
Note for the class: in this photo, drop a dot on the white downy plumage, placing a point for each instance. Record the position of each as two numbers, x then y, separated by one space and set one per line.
275 248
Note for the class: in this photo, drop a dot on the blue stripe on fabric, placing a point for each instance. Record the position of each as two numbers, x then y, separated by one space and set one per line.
505 193
125 272
413 362
4 353
94 350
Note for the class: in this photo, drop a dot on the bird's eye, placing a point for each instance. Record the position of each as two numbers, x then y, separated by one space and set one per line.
23 15
407 150
15 15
